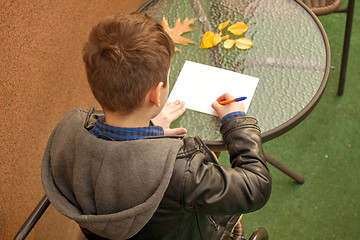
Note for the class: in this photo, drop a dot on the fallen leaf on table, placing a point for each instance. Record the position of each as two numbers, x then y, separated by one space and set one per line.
178 29
210 39
223 25
225 37
238 28
217 39
243 43
229 43
207 40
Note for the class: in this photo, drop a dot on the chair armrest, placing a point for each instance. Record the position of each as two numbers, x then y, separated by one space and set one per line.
33 218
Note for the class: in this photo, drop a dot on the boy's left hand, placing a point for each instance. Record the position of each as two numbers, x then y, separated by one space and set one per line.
168 114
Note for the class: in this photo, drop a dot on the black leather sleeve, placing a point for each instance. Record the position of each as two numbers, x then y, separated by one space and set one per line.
220 190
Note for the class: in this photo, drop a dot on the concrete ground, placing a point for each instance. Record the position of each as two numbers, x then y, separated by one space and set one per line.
42 78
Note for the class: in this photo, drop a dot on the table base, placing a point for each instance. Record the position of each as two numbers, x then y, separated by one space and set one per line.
297 178
283 168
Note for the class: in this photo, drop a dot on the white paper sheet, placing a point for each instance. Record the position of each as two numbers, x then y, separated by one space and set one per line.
200 85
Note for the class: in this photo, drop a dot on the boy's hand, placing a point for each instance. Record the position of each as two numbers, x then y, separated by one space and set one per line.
168 114
223 110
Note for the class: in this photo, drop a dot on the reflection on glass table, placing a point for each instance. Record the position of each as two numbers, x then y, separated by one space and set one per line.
290 56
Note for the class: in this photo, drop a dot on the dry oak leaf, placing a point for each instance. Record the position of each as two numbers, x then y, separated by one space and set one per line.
178 29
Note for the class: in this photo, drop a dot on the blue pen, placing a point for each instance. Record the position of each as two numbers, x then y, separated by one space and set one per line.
232 100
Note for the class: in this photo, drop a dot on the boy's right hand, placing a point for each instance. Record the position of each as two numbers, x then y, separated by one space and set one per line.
223 110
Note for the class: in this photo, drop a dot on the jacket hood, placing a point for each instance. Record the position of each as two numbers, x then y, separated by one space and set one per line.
110 188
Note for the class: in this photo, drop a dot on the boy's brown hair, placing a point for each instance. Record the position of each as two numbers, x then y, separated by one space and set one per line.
125 56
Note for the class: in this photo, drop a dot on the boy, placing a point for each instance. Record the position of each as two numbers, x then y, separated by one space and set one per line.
121 178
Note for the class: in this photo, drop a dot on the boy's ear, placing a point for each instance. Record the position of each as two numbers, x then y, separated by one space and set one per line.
155 94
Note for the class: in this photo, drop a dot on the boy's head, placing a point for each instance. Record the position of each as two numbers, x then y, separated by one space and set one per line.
125 56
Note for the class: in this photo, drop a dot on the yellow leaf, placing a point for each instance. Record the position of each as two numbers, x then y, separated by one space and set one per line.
178 29
229 43
210 39
216 39
223 25
225 37
207 41
238 28
243 43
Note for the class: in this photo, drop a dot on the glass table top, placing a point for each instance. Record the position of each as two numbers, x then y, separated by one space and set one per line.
290 56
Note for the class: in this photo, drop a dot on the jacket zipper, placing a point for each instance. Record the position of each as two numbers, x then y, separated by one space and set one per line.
212 221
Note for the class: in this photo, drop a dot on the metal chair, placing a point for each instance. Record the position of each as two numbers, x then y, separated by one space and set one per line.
324 7
238 233
33 219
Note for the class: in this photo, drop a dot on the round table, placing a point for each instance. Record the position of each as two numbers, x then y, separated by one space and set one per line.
290 56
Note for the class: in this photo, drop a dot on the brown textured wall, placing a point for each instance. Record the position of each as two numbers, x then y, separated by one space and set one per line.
41 79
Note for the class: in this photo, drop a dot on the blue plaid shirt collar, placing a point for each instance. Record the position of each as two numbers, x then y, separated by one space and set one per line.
106 132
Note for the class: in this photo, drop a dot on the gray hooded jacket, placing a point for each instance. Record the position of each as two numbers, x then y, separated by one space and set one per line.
99 184
155 188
